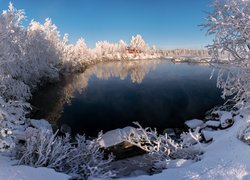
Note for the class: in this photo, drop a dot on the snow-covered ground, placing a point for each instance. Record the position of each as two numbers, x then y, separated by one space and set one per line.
9 171
225 158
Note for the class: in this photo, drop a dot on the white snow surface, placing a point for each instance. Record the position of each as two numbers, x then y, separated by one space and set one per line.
213 123
208 135
115 136
9 171
225 158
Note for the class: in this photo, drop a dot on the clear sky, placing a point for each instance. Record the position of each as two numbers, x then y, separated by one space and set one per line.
165 23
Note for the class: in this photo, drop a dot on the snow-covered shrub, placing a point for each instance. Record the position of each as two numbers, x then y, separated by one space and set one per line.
12 121
149 140
14 89
12 114
191 146
6 142
162 148
189 138
81 158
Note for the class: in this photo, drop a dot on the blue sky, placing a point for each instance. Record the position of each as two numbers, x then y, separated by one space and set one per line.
165 23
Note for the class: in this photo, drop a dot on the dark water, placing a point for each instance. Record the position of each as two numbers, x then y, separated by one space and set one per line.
112 95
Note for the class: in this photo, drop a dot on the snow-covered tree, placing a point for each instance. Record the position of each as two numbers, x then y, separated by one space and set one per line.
187 52
229 22
12 52
105 50
138 44
81 50
122 46
42 54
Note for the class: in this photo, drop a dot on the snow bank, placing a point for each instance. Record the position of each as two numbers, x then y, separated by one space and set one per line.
9 171
225 158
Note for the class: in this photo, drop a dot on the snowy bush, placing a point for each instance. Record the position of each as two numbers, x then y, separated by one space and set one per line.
12 114
14 89
12 120
162 148
6 142
81 158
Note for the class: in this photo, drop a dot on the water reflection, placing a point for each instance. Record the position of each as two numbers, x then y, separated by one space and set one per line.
50 100
110 95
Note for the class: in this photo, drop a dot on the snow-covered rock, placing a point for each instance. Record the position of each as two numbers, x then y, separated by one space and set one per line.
212 123
208 135
116 136
194 123
226 119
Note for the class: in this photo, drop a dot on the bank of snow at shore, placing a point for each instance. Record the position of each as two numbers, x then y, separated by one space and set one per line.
225 158
10 171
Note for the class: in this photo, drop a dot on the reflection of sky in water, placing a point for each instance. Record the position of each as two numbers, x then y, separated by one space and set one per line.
157 94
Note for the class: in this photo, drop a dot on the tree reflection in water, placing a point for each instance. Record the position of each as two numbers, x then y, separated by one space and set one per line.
50 100
111 95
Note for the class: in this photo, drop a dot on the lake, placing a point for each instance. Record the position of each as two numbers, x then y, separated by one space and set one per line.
109 95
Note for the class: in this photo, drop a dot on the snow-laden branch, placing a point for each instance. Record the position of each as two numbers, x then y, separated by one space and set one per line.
230 24
162 147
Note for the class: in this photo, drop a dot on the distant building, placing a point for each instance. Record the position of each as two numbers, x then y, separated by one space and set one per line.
132 51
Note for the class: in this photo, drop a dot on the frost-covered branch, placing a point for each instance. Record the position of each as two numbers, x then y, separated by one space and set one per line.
163 148
230 24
